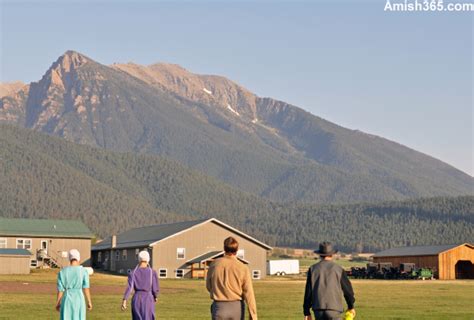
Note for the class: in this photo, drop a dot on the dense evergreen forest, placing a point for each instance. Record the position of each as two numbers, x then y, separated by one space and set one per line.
47 177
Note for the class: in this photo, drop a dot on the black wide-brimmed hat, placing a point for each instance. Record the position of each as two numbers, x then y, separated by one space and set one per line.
326 249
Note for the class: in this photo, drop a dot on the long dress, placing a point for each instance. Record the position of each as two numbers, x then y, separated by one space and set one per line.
71 281
144 281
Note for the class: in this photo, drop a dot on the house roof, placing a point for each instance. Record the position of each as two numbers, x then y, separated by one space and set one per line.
415 251
150 235
15 252
212 255
44 228
204 257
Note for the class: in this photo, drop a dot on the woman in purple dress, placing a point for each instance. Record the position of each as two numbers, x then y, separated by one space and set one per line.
144 281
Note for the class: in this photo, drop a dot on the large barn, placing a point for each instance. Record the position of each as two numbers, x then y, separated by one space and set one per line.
178 250
449 261
43 242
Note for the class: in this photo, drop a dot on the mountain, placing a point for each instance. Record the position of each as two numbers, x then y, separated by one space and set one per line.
10 88
12 101
48 177
259 145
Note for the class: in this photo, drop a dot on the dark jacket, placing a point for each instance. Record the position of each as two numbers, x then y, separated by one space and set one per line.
326 283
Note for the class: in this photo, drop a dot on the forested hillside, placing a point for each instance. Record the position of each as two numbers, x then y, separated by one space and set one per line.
47 177
384 225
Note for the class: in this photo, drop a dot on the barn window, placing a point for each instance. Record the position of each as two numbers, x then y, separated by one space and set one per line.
23 243
256 274
180 253
3 242
179 273
124 254
163 273
137 251
99 257
117 255
241 254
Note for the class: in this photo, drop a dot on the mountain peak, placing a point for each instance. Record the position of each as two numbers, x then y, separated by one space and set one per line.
64 67
71 60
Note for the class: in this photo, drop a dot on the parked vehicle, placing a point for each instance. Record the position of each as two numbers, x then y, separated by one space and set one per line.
387 271
283 267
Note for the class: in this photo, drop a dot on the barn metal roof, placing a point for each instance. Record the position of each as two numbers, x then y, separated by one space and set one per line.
145 236
15 252
44 227
149 235
415 251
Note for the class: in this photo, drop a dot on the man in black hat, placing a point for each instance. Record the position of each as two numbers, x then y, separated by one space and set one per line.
326 283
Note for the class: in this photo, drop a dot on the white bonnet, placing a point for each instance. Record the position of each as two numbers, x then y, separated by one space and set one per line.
144 256
74 254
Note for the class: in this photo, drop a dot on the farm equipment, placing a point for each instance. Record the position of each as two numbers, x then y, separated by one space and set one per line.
406 270
422 273
388 271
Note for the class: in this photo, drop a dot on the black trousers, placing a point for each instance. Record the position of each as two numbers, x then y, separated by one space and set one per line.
228 310
327 315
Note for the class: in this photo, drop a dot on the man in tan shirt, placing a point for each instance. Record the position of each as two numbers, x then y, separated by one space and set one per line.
229 284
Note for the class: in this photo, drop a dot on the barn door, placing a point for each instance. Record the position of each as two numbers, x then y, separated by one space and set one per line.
464 270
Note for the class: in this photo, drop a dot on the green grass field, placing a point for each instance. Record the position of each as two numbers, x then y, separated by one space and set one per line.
277 298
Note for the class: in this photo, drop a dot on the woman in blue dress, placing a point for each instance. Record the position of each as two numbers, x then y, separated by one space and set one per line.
144 281
72 281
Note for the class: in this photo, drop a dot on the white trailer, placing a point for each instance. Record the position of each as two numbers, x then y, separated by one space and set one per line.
283 267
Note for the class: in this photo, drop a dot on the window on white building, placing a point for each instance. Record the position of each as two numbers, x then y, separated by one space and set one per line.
180 253
256 274
3 242
163 273
33 263
179 273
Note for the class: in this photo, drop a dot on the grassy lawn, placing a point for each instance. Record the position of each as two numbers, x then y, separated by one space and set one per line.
277 298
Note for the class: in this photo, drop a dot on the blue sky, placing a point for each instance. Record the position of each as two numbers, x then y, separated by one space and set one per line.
404 76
